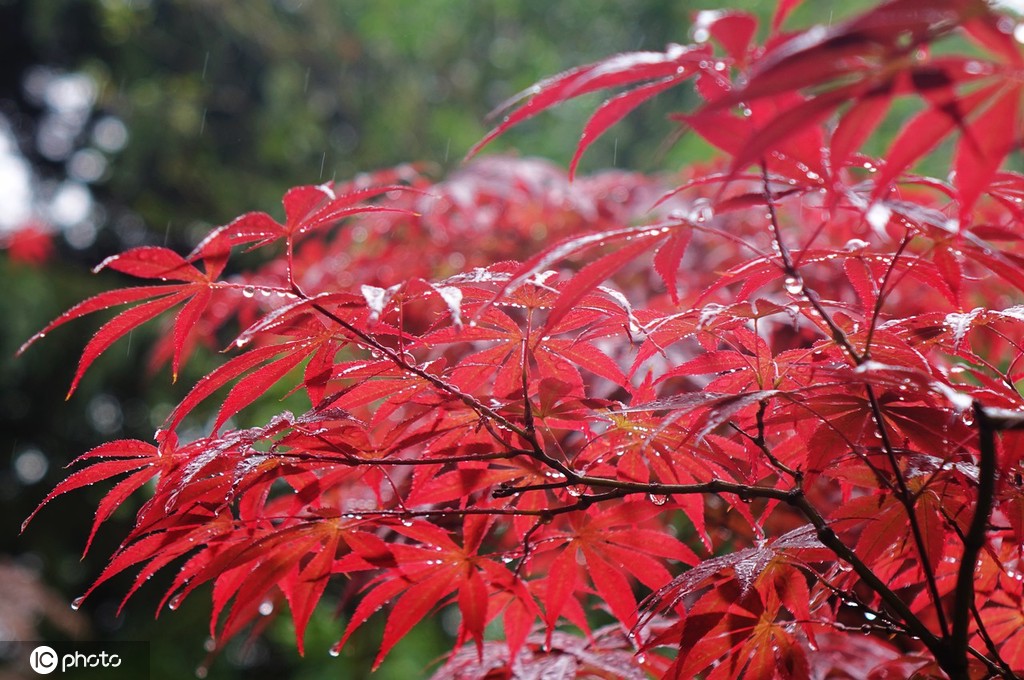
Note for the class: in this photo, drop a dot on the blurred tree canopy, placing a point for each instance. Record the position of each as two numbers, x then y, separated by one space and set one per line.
148 121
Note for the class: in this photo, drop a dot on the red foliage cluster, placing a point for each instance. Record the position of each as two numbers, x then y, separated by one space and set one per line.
30 243
768 425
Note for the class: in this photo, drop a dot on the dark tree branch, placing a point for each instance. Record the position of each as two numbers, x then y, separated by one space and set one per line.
974 539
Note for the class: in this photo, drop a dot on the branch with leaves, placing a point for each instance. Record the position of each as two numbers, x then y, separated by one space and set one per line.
765 416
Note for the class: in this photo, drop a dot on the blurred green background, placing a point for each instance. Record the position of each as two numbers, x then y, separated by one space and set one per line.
131 122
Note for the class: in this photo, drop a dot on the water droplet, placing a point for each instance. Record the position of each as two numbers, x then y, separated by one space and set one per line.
878 217
202 672
210 644
77 603
968 418
175 601
335 650
870 616
249 291
266 608
657 499
794 285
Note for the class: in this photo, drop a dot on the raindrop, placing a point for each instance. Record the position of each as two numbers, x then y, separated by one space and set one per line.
878 217
266 608
870 616
657 499
202 672
175 601
974 67
968 418
794 285
249 291
77 603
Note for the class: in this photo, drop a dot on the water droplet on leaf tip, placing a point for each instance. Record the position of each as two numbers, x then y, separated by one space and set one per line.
202 672
77 603
335 650
794 285
249 291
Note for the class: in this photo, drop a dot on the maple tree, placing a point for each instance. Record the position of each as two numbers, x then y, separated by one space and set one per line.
764 422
